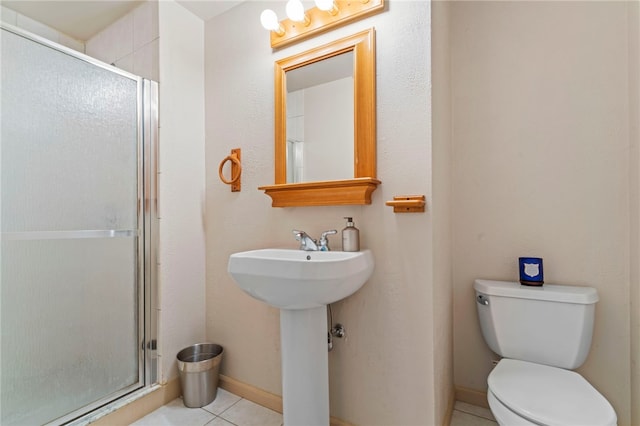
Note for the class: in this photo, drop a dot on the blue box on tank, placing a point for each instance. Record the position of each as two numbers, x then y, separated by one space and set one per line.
531 272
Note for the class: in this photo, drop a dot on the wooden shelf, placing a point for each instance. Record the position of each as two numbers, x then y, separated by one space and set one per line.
324 193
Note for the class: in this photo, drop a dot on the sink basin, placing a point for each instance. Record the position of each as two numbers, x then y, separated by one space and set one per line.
297 279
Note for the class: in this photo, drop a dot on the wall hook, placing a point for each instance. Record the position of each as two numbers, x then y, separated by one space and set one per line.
236 170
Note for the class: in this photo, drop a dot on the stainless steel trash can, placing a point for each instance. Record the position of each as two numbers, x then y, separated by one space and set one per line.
199 366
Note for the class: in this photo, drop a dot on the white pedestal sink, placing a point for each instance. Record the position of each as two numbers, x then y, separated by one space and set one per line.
301 284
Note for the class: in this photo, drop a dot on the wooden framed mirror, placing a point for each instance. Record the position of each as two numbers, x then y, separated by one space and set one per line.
322 183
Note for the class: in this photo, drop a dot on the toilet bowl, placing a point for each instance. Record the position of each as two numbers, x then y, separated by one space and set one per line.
525 393
542 333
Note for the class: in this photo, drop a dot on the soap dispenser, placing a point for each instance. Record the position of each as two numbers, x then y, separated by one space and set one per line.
350 237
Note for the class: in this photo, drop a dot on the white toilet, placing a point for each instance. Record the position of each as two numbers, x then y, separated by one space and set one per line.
542 333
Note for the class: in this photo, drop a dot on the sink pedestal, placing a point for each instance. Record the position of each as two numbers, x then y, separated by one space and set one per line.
305 366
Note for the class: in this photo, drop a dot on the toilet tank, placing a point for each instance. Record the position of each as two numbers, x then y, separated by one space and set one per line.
550 324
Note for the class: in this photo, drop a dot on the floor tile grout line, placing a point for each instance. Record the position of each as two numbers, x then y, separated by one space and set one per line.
218 417
220 413
225 420
475 415
210 420
237 402
227 409
476 411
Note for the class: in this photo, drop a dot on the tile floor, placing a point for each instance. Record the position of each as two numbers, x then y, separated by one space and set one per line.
226 410
229 410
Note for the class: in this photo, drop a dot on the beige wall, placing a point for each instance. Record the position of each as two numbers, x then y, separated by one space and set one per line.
181 181
634 158
442 200
394 365
541 133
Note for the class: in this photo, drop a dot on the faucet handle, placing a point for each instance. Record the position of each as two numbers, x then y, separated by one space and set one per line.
325 233
324 242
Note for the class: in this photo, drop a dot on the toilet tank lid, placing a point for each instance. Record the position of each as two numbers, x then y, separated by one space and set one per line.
547 292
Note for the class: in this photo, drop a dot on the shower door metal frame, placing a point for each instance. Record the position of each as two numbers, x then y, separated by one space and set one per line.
147 238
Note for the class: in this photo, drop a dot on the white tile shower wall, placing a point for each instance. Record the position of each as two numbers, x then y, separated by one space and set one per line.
16 19
130 43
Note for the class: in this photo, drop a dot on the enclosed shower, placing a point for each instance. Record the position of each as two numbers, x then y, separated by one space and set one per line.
77 215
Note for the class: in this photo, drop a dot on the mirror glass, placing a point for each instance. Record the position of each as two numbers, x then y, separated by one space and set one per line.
320 127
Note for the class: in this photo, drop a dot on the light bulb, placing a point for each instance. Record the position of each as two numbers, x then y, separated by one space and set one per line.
295 11
328 6
325 5
269 20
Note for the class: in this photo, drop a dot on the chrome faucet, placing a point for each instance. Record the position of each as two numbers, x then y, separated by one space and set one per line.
306 242
309 244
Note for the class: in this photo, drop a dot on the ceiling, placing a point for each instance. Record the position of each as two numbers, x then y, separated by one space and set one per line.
82 19
208 9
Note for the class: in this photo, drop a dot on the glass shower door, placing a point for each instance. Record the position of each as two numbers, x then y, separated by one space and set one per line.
71 289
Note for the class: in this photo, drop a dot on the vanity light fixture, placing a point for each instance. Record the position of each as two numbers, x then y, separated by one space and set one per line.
326 14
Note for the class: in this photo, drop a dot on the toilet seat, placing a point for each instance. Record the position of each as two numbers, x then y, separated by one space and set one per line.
503 415
545 395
